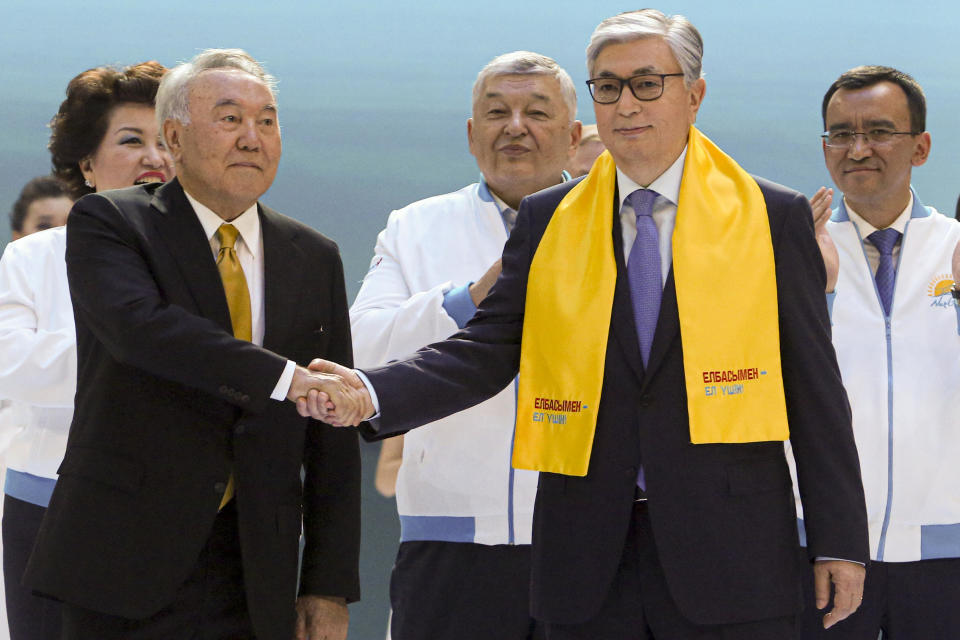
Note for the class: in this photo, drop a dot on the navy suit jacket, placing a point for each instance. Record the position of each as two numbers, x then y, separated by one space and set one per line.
169 403
722 514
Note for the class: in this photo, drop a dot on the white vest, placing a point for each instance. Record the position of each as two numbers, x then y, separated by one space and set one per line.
902 377
38 361
456 483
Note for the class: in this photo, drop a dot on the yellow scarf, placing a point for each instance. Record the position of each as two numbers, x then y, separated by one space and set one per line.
726 294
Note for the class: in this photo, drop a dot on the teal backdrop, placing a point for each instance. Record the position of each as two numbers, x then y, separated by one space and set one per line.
374 98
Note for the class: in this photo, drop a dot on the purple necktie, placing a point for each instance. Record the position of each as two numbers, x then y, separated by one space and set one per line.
643 270
884 240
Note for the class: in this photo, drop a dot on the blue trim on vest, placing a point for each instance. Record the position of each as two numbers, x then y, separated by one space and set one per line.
841 215
939 541
28 487
459 305
445 528
483 191
802 530
830 298
918 211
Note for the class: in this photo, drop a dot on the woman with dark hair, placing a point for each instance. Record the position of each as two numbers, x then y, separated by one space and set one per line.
104 136
44 203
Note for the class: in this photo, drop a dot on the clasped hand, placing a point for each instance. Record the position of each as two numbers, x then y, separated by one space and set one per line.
331 393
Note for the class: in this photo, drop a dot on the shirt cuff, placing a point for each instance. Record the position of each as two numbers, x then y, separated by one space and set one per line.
459 305
956 306
830 298
283 385
371 391
825 558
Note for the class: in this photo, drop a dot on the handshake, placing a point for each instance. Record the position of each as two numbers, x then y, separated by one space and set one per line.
331 393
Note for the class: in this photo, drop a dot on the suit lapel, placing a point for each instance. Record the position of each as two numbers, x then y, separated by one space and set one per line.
621 317
178 225
283 267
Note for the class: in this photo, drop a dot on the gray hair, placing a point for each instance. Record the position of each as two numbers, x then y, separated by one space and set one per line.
680 35
526 62
173 96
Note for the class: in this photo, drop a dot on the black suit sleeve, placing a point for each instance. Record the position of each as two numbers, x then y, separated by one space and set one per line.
331 491
117 296
828 466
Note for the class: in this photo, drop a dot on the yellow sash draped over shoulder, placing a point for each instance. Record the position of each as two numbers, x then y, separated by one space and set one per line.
726 295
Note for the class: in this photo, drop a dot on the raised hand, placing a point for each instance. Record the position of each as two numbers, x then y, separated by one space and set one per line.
480 288
820 203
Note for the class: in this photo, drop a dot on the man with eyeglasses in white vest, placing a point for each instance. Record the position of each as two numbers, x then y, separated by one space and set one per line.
892 264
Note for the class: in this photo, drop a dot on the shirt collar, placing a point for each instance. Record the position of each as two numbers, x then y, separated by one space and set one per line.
247 224
501 205
667 184
489 196
865 228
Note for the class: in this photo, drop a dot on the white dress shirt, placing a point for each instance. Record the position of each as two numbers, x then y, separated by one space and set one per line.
249 250
865 229
667 185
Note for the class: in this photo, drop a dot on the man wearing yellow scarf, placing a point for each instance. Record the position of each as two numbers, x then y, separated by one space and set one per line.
667 317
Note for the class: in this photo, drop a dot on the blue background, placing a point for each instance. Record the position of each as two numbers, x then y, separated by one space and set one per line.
374 97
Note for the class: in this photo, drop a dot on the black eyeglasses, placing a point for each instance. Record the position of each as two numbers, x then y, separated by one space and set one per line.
844 139
646 87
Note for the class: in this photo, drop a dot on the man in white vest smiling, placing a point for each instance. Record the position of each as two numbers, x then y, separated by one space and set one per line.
463 568
891 266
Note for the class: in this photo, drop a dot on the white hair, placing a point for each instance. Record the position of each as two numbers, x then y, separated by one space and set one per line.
173 95
680 35
523 63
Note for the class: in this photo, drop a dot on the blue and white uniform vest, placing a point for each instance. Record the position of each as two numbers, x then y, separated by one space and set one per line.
902 375
456 483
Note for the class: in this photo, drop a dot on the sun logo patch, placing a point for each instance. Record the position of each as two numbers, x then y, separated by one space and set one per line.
939 290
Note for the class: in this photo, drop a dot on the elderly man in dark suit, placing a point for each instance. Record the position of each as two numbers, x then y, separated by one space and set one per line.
673 518
180 502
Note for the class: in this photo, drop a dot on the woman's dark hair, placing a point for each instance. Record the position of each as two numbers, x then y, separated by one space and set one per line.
36 189
81 123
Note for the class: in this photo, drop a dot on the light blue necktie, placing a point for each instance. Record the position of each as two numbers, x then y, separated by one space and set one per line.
884 240
509 218
643 274
643 270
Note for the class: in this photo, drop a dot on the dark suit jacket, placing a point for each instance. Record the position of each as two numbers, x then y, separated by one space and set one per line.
722 514
169 403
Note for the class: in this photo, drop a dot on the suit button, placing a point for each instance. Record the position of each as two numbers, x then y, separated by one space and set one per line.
240 429
631 472
245 398
220 487
644 402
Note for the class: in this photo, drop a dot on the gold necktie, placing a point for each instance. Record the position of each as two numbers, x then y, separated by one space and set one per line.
238 300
